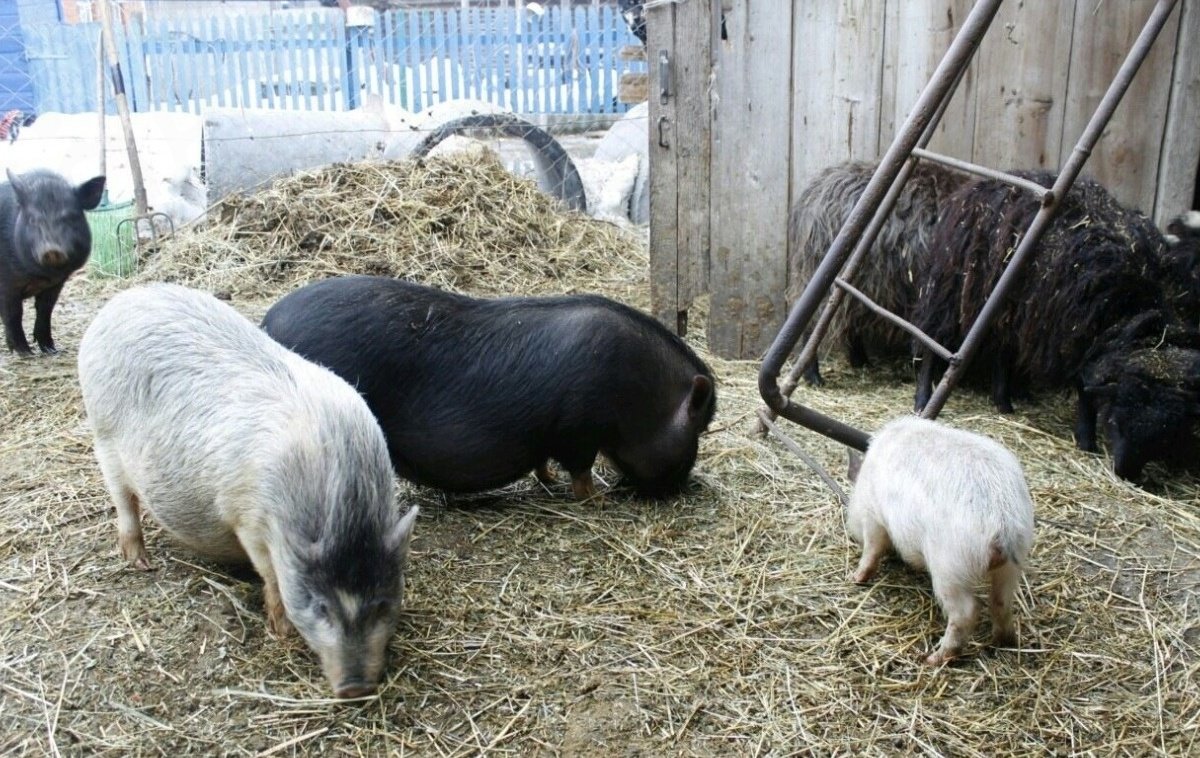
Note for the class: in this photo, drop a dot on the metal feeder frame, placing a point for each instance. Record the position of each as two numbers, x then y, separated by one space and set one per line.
866 219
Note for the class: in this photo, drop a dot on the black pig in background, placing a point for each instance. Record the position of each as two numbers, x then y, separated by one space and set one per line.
44 238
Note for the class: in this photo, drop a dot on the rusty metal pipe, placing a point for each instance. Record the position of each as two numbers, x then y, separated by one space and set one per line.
1032 188
944 77
822 424
1062 185
922 337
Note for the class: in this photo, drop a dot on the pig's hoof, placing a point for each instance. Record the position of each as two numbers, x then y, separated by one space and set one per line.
939 657
544 474
1004 638
134 551
277 622
583 486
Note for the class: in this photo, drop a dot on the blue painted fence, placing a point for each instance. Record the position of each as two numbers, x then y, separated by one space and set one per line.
558 62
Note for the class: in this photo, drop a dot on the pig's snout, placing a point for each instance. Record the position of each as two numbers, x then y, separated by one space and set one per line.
353 669
354 688
52 256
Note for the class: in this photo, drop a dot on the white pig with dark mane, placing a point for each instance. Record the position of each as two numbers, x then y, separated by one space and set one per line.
244 451
950 502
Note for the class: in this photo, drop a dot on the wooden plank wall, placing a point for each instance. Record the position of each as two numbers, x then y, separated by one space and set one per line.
750 177
1178 185
837 109
800 86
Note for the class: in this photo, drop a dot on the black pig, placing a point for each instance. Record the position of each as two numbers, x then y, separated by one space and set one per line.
473 394
44 238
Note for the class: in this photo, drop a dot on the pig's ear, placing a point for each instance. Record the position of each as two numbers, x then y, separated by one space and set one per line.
90 192
18 185
702 390
400 536
853 464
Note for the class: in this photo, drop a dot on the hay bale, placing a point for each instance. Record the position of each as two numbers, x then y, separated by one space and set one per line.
462 222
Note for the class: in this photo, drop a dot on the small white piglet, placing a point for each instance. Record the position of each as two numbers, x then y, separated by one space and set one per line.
953 503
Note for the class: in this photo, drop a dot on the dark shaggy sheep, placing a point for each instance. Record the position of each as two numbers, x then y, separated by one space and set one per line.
1181 264
891 270
1091 296
1147 396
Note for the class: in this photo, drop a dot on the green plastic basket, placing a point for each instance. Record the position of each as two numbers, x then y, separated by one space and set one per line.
109 256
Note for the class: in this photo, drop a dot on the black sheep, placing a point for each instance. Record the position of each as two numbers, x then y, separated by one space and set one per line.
1141 391
1090 300
891 270
1181 264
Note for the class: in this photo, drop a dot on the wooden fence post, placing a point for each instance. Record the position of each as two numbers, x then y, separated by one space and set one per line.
679 56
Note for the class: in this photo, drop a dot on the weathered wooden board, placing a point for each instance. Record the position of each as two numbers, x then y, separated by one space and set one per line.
661 27
836 78
916 38
751 153
1021 86
691 136
1126 158
1180 158
680 152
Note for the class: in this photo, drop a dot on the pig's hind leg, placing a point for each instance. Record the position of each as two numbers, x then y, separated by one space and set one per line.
129 509
1005 579
958 602
875 545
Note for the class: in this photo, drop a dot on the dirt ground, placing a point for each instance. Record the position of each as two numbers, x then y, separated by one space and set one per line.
717 623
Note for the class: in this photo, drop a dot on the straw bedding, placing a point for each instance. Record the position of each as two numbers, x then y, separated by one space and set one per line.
719 623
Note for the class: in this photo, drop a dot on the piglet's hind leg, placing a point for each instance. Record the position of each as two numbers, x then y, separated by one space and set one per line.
875 546
962 609
1005 579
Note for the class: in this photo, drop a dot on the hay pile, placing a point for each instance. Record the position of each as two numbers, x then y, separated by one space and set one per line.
461 222
719 623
